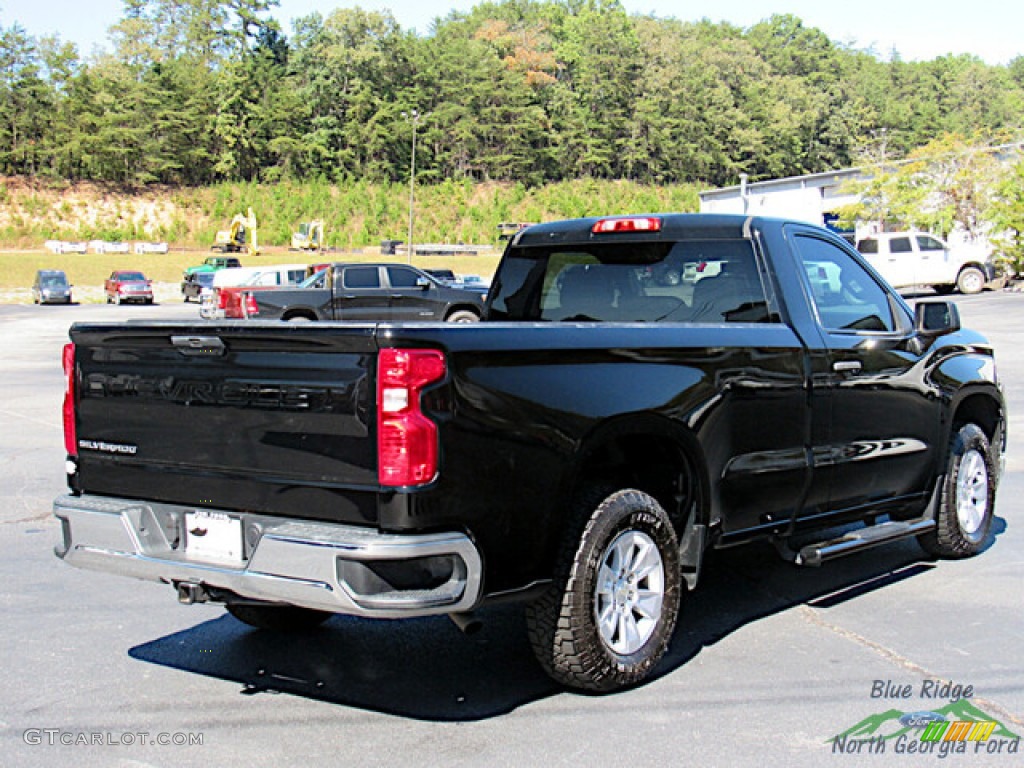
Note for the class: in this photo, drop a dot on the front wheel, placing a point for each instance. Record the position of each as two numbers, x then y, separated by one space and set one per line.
608 617
463 316
277 617
964 518
970 280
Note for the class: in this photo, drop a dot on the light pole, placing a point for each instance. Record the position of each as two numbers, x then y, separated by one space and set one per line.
414 115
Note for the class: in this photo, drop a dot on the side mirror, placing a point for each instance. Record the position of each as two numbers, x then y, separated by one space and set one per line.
422 282
936 318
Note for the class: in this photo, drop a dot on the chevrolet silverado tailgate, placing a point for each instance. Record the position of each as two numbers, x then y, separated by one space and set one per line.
264 417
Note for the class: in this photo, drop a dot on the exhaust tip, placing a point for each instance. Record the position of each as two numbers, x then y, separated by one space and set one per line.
467 623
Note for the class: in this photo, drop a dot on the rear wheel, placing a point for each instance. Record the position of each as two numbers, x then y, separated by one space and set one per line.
463 316
608 618
970 280
277 617
964 518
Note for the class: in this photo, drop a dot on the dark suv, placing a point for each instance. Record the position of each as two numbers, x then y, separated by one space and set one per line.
51 286
367 292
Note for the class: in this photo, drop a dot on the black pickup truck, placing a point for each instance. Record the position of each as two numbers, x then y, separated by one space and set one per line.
367 292
643 389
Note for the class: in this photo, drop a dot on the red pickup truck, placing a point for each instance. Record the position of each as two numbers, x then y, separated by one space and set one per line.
128 285
231 300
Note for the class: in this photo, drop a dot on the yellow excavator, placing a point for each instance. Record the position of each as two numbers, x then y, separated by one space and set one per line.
310 236
240 237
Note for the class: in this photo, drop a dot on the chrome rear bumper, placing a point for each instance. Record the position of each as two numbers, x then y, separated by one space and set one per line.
324 566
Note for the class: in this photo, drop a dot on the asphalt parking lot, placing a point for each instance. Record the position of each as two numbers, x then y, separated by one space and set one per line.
769 664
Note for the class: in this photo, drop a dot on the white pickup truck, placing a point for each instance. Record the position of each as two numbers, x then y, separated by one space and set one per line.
917 258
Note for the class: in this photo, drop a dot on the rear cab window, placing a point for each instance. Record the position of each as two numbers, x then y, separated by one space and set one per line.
690 281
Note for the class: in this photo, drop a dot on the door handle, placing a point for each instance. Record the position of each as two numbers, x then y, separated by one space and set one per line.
199 346
846 366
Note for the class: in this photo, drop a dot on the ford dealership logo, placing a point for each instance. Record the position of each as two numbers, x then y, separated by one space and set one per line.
921 719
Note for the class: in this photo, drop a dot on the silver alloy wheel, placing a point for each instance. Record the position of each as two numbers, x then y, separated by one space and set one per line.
971 493
971 281
629 592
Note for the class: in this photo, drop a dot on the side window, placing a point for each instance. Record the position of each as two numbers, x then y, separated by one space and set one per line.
926 243
361 277
900 245
399 277
869 246
266 278
846 297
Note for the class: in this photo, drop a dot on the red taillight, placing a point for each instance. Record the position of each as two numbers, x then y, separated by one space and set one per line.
407 448
251 307
222 298
70 432
630 224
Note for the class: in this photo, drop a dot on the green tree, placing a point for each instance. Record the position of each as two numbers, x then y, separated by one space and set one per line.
599 51
26 104
1006 217
944 185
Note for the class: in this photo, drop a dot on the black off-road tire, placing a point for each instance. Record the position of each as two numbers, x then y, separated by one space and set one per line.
281 618
964 517
564 625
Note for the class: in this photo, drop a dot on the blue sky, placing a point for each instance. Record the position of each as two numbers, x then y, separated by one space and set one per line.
990 29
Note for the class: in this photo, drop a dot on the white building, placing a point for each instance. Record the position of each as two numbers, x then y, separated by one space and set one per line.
814 198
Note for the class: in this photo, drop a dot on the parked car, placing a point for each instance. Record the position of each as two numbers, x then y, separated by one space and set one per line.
367 292
445 276
214 264
228 277
230 299
126 285
473 283
192 286
51 286
918 258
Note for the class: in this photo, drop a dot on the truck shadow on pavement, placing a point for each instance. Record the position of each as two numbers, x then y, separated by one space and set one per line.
426 669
